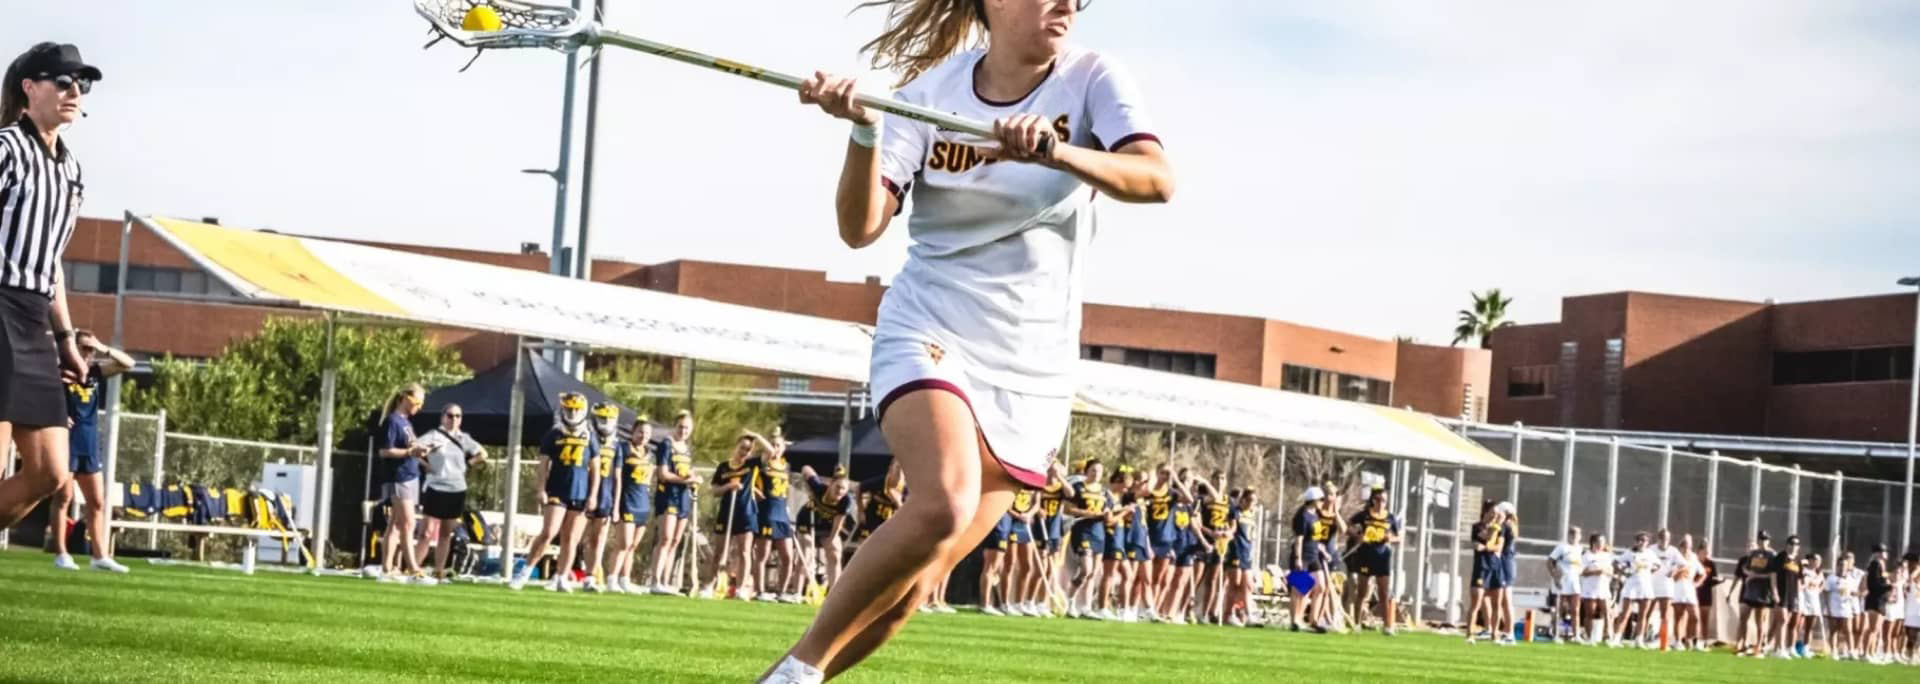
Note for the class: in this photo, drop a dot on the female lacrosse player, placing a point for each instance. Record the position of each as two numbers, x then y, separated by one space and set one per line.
1563 568
603 490
1643 563
1489 539
1911 564
1050 529
672 499
999 230
635 473
1757 596
1161 535
40 186
1686 575
1809 606
1786 591
1024 597
1893 629
1088 508
829 505
566 448
400 462
774 527
84 399
1596 590
735 520
1377 529
1662 601
1843 603
1177 595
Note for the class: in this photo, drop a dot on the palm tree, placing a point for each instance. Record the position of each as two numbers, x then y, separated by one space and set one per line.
1489 313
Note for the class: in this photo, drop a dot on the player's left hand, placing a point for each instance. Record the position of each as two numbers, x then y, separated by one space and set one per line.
1020 137
73 366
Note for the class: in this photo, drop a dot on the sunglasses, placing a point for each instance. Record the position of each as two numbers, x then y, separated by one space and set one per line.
65 81
451 415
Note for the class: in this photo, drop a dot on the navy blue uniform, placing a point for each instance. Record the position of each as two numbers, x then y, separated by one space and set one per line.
567 477
1187 544
1489 570
1116 531
83 439
1305 521
1025 502
1374 556
636 482
1050 526
821 513
1138 546
879 507
1508 565
1240 549
736 514
673 498
771 480
1219 520
1090 534
602 504
1161 528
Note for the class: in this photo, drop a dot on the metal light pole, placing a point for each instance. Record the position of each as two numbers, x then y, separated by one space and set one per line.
1913 418
556 259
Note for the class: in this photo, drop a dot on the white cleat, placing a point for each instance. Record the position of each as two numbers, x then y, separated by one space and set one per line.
792 671
108 565
65 562
592 586
425 580
944 608
519 582
990 610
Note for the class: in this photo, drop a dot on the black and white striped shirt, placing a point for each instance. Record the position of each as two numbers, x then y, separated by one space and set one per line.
40 193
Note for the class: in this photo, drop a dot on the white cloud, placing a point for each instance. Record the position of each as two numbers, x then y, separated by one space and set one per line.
1351 165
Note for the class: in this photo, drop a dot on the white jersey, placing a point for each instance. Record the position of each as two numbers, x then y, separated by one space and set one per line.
995 268
1670 562
1567 558
1843 600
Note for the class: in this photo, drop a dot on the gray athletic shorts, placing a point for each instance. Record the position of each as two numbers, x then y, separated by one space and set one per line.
407 493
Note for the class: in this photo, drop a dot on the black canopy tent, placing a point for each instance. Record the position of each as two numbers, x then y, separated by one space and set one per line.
868 460
485 401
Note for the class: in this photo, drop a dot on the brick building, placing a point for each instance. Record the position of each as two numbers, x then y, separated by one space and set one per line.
1831 369
1441 380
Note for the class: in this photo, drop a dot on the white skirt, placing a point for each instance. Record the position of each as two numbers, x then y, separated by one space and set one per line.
1809 603
1662 586
1685 595
1022 430
1637 587
1596 587
1569 585
1913 613
1840 606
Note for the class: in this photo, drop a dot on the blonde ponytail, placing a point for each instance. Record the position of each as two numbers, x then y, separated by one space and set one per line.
922 33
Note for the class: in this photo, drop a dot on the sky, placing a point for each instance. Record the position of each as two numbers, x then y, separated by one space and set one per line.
1356 165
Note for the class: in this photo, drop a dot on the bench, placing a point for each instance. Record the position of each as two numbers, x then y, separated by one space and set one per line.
249 556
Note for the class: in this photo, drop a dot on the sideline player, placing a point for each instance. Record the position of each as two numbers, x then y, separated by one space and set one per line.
673 486
1377 529
563 470
635 474
974 405
1563 568
603 492
83 457
1757 599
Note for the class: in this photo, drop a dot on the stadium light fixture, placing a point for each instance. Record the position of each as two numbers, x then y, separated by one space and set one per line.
550 173
1913 419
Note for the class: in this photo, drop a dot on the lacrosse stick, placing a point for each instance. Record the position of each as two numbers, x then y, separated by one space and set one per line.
524 24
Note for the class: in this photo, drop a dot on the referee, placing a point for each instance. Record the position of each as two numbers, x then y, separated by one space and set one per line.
40 192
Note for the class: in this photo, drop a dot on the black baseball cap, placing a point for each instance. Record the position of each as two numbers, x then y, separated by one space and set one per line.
1764 536
60 59
1793 539
1879 548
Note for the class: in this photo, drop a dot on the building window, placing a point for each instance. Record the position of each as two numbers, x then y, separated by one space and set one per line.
1871 364
1184 363
1326 383
793 384
1530 381
99 278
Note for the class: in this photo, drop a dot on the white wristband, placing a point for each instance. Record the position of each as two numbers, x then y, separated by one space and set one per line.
865 135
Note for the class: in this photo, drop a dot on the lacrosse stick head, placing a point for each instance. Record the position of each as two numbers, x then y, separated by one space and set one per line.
521 24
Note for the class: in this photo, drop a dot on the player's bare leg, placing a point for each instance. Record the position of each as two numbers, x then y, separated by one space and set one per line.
959 494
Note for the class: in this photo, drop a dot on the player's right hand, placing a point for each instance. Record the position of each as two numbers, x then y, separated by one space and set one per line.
834 95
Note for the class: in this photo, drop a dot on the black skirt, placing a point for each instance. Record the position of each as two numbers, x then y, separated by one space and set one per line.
30 392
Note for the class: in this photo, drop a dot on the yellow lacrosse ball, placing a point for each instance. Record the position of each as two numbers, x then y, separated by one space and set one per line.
480 18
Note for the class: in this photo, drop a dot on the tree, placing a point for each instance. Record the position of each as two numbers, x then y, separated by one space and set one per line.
720 410
267 387
1489 313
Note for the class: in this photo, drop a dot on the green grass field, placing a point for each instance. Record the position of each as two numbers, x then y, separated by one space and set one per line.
173 623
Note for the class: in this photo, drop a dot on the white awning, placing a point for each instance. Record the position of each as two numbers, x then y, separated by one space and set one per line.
359 279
